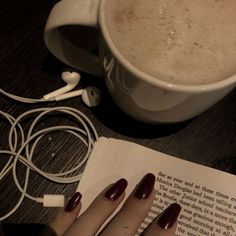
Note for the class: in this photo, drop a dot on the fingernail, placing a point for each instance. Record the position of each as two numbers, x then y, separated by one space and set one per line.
73 202
169 216
145 187
116 190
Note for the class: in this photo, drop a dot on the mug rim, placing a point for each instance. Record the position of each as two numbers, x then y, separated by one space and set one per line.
151 79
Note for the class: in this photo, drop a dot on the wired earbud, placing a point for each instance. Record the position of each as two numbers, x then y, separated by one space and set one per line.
71 78
91 95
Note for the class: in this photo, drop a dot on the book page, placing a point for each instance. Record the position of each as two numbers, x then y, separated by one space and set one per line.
207 196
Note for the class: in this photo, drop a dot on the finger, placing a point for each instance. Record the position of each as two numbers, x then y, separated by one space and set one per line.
101 208
166 223
134 211
65 217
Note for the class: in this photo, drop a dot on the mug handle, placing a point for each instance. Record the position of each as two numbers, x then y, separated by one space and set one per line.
72 12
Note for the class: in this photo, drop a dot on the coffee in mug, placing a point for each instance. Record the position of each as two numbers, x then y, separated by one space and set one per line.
189 42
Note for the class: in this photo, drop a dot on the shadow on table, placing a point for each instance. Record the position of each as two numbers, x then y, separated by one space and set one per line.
112 117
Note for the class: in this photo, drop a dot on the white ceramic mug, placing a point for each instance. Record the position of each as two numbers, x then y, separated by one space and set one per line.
141 96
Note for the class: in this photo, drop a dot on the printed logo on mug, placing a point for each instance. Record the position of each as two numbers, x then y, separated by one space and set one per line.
162 61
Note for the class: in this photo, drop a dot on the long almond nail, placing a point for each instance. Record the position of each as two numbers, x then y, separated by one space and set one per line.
73 202
169 216
145 187
116 190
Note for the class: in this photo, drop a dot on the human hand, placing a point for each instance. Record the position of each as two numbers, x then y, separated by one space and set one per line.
125 222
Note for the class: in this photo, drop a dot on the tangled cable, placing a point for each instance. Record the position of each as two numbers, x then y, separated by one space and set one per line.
85 131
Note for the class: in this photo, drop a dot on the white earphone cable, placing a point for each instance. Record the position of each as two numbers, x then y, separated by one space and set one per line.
25 100
23 152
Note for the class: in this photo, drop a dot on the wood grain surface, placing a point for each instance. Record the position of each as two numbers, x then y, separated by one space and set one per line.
28 69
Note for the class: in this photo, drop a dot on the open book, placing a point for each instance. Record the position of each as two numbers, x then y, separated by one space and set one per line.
207 196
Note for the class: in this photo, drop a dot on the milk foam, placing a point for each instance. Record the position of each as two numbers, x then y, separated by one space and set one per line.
179 41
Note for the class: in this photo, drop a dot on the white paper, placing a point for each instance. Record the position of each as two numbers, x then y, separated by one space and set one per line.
113 159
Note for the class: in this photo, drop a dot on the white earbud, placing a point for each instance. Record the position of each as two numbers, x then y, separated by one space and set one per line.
91 96
71 77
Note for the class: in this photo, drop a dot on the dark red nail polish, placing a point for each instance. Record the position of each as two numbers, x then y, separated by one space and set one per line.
73 202
116 190
169 216
145 187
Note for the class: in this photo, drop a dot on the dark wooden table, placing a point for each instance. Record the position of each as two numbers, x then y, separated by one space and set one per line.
28 69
